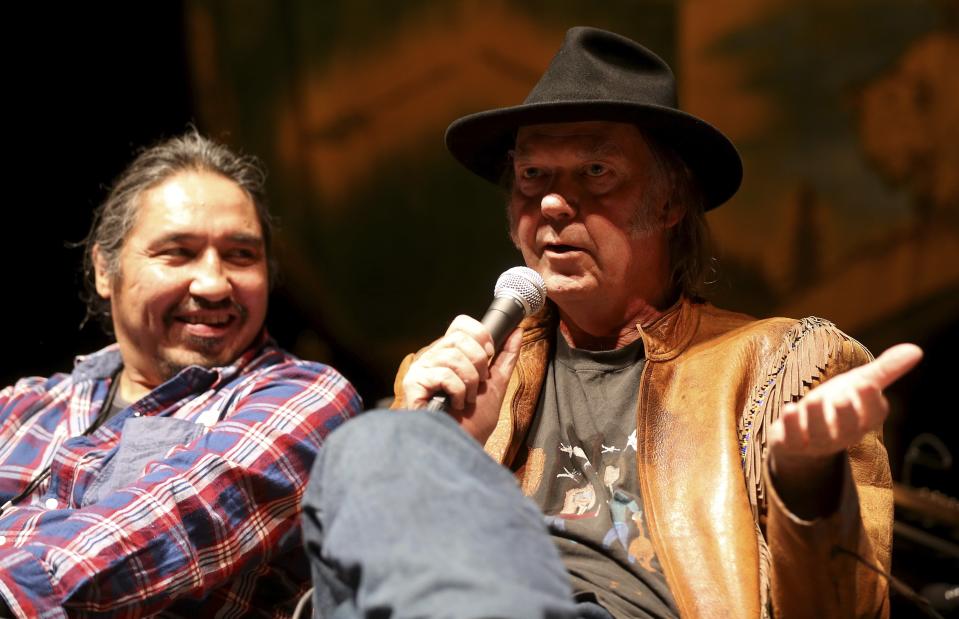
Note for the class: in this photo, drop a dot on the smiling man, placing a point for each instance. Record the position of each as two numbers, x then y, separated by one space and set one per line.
165 472
686 460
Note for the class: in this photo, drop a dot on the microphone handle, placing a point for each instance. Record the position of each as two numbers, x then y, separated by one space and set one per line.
439 402
503 315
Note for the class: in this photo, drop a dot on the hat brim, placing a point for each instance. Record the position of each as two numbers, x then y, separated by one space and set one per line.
481 141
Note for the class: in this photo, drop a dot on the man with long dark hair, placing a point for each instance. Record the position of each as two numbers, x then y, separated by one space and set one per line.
165 471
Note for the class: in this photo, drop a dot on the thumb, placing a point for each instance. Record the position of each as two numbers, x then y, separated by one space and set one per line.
891 364
505 361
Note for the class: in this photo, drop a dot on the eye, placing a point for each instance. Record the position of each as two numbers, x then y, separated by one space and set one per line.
530 173
177 251
243 256
596 169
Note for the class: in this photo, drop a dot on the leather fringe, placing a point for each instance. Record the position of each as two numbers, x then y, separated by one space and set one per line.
800 364
765 573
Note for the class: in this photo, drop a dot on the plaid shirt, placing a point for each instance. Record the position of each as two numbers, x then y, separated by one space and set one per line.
208 526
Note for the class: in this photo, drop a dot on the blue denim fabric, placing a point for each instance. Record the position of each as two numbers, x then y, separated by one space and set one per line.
406 516
143 439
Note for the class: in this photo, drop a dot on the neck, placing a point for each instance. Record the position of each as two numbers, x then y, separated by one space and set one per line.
132 386
592 330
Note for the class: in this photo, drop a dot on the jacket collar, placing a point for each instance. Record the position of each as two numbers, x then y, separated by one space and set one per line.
663 339
670 334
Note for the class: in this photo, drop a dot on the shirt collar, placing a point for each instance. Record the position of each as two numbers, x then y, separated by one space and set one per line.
663 339
106 362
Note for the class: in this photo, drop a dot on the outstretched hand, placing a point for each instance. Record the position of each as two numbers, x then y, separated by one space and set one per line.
809 435
838 413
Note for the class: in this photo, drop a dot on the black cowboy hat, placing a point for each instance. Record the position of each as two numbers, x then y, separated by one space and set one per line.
599 75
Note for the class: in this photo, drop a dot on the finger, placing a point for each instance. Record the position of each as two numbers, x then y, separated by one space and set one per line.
475 329
446 380
467 371
506 360
420 386
847 429
414 395
875 407
890 365
461 365
789 431
458 343
819 419
471 351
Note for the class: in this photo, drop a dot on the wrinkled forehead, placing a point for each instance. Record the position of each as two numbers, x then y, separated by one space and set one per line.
589 138
193 202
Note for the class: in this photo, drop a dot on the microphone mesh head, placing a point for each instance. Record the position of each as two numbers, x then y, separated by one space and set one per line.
523 284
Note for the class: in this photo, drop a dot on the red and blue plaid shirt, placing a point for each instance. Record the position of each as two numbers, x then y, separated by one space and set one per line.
209 526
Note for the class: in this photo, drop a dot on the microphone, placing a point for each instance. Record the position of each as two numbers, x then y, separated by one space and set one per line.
519 292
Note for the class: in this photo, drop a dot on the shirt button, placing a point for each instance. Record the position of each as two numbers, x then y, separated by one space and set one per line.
3 540
51 503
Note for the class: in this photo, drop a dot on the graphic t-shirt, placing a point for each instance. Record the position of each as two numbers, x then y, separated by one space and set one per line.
581 471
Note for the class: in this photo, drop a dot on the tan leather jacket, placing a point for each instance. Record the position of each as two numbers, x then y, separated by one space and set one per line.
713 382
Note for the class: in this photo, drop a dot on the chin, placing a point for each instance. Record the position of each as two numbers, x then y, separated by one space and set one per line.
564 286
205 358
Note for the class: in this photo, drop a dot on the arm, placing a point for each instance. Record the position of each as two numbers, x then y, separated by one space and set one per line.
830 496
17 403
217 506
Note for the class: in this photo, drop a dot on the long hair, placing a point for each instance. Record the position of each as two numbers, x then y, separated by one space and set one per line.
691 249
113 220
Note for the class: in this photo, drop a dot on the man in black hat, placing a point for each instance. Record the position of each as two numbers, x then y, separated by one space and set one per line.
688 460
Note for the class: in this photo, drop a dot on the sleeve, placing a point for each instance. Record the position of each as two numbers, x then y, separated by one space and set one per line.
824 559
22 398
21 439
221 504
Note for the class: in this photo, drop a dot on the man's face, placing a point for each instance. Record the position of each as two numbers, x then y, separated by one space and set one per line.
191 286
589 212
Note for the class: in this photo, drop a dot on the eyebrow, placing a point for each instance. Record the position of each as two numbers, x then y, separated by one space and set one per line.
253 240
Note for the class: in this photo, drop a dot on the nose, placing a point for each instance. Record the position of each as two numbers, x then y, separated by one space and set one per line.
209 280
554 206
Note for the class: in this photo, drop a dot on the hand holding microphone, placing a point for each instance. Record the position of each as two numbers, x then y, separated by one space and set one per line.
455 372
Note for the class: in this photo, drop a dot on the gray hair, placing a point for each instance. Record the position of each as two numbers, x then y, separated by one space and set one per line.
113 220
691 249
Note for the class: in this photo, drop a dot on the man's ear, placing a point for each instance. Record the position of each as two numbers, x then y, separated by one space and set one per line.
102 278
673 213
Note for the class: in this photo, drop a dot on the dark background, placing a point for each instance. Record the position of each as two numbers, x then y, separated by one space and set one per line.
89 88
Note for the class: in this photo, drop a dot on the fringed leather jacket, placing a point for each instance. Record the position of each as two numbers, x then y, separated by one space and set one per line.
713 383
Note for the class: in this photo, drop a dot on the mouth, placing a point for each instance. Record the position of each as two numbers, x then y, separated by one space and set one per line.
560 249
207 323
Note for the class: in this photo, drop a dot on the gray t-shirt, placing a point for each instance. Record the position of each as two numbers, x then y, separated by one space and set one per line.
583 444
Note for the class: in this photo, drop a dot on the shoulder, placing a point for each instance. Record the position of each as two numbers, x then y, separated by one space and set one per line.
31 388
281 376
87 370
812 340
273 361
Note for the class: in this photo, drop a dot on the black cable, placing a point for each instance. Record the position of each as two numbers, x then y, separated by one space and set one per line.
897 585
